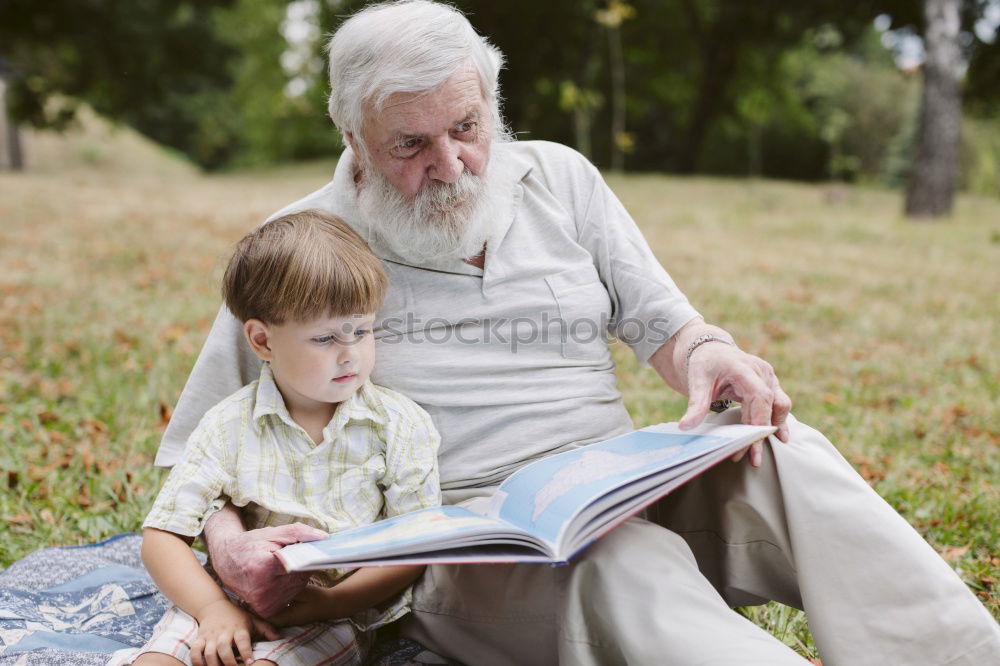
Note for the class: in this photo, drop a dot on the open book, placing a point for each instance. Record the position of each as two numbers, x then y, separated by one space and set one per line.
546 511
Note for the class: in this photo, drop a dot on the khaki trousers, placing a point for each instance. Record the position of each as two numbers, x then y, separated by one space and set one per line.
803 529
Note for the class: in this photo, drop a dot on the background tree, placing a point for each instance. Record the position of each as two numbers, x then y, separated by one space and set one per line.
953 44
612 17
935 171
10 138
776 88
156 65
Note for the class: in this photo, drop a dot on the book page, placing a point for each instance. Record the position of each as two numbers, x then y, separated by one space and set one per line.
426 529
543 497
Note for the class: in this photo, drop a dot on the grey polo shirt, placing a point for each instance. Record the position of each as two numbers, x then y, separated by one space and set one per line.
512 361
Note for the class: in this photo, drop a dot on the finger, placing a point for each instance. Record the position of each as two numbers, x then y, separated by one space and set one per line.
756 398
278 594
211 654
756 451
279 619
197 648
294 533
226 655
699 401
266 629
738 456
784 433
243 645
780 409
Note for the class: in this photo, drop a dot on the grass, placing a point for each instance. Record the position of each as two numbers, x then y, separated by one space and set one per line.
883 332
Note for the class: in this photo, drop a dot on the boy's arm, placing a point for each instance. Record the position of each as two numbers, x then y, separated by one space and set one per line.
182 579
363 589
411 480
177 572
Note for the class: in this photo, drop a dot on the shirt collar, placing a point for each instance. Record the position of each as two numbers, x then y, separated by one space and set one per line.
513 169
363 405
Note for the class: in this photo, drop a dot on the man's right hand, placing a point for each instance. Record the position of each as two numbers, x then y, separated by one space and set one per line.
246 563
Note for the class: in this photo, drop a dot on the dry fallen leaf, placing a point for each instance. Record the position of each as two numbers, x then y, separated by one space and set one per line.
952 553
955 413
87 456
40 472
870 469
165 413
173 333
94 426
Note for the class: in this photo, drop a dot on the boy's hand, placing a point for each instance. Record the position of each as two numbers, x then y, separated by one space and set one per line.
313 604
223 626
364 588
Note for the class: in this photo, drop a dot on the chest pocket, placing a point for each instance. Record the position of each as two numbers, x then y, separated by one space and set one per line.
584 310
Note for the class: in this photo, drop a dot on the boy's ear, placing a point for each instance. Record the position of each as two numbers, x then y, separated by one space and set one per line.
258 337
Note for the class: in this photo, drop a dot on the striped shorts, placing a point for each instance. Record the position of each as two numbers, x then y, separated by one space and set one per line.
326 643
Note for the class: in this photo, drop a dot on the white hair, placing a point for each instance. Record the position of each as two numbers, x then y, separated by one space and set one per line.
411 46
445 220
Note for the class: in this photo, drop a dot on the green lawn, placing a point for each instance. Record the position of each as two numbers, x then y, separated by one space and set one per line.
883 332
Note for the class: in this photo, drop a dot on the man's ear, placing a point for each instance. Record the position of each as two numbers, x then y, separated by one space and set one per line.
349 139
259 338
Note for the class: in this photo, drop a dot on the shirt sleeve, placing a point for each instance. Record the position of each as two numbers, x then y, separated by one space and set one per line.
411 479
224 365
647 306
196 486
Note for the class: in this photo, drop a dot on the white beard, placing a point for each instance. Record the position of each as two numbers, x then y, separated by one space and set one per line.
444 221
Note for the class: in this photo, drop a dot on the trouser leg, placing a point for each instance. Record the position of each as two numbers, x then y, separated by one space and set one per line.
806 530
635 597
640 599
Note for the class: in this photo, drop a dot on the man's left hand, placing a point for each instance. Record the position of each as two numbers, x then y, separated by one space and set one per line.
719 371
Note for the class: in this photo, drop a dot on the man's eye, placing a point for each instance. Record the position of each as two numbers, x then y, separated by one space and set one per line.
324 339
467 126
362 332
408 146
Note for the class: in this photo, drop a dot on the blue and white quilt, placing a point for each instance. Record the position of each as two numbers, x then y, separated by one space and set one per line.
77 605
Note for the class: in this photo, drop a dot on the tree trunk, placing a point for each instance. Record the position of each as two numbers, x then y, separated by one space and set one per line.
717 68
934 175
617 100
11 156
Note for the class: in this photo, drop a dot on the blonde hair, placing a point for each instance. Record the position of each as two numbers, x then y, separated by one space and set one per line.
302 266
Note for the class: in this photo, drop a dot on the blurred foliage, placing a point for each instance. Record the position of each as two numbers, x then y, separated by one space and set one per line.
274 125
775 88
157 65
981 156
687 64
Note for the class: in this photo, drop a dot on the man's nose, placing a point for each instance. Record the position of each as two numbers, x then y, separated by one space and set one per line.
446 161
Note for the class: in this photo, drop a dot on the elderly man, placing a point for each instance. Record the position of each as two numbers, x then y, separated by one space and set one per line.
482 235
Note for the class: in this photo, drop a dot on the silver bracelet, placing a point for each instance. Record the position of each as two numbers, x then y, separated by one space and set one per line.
698 342
718 406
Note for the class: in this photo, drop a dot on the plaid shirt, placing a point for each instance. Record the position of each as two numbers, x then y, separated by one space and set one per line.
378 458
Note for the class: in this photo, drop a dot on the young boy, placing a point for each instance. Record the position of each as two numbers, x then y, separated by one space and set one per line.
311 441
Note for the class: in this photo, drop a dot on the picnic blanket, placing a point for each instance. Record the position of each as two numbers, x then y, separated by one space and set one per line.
75 606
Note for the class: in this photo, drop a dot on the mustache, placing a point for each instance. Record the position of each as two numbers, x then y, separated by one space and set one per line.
443 219
442 197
